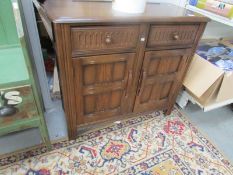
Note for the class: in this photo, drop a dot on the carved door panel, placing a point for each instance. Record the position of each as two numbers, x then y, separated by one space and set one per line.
160 77
102 86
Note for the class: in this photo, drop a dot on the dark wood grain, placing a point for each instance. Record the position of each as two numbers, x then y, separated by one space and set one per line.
103 39
102 84
160 73
113 64
69 11
63 47
200 32
172 35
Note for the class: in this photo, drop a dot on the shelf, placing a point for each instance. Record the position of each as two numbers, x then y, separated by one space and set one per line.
15 84
211 15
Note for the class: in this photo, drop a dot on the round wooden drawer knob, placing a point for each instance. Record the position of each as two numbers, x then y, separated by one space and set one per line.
176 37
108 40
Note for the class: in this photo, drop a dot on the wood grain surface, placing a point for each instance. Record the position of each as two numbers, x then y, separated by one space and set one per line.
114 64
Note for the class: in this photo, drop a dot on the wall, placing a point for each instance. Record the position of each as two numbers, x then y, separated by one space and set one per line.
217 30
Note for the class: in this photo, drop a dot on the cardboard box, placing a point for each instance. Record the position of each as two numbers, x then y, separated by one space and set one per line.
207 83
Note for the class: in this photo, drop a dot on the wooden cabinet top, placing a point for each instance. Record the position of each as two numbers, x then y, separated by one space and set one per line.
72 11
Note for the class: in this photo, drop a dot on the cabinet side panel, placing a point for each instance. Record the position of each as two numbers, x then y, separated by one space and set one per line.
63 50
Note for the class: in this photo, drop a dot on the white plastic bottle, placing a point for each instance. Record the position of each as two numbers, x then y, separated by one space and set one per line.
129 6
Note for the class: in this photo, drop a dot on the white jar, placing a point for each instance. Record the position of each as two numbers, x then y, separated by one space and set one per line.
129 6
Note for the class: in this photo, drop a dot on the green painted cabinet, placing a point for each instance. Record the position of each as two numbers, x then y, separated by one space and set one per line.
20 106
8 31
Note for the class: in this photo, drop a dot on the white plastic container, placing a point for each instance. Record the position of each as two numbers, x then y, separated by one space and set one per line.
129 6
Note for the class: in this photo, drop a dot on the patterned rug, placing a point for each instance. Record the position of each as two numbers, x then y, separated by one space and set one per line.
145 145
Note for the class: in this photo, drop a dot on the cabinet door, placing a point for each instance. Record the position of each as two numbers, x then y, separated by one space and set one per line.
102 86
160 79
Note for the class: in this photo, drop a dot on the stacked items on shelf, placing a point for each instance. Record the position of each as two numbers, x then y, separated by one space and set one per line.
220 7
209 79
49 59
56 94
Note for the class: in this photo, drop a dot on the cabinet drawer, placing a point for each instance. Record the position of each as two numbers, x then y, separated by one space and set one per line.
172 35
104 39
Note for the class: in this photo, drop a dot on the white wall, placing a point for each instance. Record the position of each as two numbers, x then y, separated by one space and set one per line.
217 30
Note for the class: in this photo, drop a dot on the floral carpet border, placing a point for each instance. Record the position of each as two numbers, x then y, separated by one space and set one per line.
15 157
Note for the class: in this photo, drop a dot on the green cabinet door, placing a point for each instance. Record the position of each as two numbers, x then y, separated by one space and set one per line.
20 106
8 31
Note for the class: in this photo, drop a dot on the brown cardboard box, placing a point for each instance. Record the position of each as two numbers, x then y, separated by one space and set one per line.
207 83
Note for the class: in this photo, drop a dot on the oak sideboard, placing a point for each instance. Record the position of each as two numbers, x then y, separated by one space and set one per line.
113 64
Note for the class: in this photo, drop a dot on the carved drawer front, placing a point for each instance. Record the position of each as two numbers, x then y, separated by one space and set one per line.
102 39
102 86
172 35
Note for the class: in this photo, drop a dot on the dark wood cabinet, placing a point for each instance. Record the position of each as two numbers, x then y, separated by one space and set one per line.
102 39
160 75
102 85
113 64
172 35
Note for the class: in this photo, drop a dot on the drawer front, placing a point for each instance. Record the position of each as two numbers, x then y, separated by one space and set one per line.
103 39
172 35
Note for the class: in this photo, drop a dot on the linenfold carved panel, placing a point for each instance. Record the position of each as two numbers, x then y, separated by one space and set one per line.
168 35
104 38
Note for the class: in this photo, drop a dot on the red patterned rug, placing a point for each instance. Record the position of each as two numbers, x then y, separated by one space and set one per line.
151 144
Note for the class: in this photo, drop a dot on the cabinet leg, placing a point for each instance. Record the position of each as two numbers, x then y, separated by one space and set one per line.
45 135
168 111
72 132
